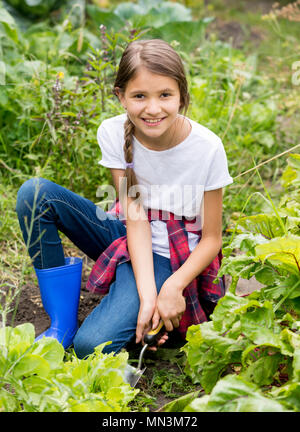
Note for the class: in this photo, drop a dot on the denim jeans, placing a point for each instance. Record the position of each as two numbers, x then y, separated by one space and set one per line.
58 209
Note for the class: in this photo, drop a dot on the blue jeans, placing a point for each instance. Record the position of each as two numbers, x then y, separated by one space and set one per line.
58 209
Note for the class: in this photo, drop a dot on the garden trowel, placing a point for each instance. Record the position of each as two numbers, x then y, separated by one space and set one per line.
132 374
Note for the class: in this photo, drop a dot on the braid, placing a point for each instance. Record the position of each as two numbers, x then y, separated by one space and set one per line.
128 153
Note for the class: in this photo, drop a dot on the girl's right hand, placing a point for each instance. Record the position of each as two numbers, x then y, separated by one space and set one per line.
144 321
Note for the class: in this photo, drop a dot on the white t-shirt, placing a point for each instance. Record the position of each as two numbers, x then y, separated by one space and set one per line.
172 180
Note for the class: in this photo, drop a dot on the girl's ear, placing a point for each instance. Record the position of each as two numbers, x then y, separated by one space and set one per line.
120 94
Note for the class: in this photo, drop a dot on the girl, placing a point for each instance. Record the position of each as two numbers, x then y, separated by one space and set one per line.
158 251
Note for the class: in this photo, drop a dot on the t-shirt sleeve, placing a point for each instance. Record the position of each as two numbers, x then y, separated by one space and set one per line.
111 149
218 175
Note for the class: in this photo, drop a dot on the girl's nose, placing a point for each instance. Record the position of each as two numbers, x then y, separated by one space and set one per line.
152 107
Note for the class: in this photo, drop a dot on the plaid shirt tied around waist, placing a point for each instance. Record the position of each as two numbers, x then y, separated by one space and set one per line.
201 294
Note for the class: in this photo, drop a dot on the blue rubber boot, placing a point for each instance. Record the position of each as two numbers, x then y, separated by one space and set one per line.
60 294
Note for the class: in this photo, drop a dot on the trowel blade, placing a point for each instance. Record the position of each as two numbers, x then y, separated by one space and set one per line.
132 375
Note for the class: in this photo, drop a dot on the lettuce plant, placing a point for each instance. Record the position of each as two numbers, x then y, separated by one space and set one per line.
35 376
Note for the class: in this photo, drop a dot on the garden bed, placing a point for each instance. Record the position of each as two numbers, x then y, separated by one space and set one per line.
163 380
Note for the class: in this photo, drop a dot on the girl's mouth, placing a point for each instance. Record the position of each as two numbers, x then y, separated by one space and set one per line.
153 122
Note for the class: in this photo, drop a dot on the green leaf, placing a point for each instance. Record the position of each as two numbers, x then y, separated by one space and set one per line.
234 394
296 364
289 394
9 25
127 10
283 252
221 344
267 276
109 19
188 33
225 312
257 323
291 175
290 341
198 405
91 406
36 8
247 242
262 371
8 402
243 266
179 404
16 340
265 224
31 364
205 363
175 11
36 387
285 286
50 350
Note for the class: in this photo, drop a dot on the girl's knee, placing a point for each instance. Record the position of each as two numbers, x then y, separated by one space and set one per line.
86 341
31 191
84 345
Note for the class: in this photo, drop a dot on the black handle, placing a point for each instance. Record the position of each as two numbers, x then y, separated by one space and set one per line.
153 335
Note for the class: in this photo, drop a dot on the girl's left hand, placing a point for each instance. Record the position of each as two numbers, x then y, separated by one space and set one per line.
170 304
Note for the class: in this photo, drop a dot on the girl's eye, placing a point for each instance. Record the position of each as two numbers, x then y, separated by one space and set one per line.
140 95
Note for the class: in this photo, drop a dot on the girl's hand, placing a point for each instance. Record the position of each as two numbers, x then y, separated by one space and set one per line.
144 320
160 342
144 327
170 304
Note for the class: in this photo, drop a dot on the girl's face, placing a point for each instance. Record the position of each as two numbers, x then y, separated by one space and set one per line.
152 102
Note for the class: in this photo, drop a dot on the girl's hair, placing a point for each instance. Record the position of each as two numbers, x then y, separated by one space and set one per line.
160 58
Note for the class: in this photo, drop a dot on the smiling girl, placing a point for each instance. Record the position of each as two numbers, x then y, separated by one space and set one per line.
159 260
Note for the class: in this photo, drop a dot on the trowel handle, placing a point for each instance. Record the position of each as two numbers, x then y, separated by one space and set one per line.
152 337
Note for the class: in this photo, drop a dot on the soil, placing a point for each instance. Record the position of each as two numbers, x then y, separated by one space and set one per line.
235 32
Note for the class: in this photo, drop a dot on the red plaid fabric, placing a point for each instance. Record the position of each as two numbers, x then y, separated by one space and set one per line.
201 294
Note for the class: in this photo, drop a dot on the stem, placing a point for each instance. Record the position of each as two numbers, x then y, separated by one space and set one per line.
269 160
273 206
286 296
246 203
233 108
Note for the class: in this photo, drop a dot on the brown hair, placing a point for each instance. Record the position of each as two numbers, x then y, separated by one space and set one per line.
160 58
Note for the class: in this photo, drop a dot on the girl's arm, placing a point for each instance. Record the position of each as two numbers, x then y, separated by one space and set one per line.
170 301
139 242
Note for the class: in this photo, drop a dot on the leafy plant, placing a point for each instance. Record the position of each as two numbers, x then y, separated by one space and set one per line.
61 108
234 394
35 8
35 377
165 20
250 347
